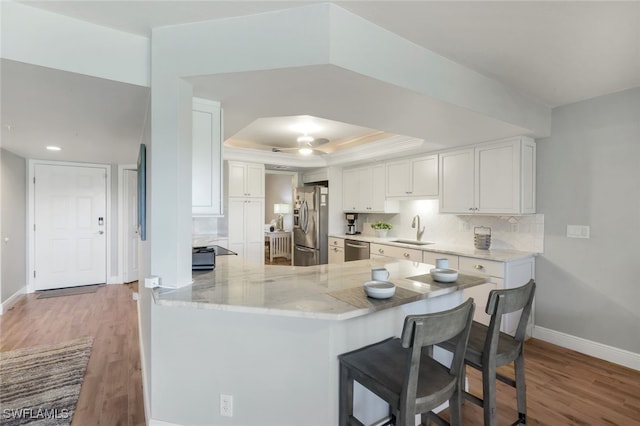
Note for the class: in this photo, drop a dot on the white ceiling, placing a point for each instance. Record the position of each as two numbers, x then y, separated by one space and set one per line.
554 52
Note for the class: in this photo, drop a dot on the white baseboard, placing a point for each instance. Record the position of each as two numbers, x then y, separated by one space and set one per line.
114 279
153 422
608 353
7 304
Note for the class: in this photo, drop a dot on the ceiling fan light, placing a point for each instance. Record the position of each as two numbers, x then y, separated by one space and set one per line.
305 139
305 151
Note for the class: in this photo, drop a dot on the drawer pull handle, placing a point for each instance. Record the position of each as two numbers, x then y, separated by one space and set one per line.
407 255
381 251
478 267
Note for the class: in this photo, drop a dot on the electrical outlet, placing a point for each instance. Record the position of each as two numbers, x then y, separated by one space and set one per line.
226 405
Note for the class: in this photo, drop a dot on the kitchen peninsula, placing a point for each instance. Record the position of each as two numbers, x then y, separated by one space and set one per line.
269 336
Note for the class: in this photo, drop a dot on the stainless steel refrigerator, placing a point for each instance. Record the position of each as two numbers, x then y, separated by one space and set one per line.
310 225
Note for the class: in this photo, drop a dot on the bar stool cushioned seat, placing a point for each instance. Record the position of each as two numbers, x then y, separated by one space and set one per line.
403 373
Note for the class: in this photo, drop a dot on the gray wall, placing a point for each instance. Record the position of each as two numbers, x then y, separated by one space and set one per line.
589 174
278 189
14 216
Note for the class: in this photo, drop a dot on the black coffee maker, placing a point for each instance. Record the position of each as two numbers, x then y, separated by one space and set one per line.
351 223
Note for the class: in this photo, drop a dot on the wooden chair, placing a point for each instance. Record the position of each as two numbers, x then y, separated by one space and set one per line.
402 371
489 349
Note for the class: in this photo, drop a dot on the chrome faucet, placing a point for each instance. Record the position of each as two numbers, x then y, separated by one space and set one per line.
419 231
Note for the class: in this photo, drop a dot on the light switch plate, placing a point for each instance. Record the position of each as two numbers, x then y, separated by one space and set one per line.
578 231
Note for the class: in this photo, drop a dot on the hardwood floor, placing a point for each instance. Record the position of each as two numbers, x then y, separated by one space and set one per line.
563 387
112 390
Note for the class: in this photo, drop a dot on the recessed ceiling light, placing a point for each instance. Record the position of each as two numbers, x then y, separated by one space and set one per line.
54 148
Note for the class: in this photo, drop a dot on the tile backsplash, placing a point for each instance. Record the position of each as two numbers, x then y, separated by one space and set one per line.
525 233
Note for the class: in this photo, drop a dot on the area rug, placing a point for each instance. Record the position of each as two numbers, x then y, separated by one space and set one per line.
44 294
41 385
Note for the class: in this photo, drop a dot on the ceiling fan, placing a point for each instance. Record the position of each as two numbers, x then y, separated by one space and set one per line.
306 145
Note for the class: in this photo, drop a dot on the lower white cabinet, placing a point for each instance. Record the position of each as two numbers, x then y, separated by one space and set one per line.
395 252
502 275
246 228
336 250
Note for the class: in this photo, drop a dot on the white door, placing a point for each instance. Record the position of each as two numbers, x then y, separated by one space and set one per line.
70 226
130 267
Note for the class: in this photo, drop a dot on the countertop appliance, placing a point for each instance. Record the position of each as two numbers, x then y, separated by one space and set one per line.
355 250
310 225
351 223
204 258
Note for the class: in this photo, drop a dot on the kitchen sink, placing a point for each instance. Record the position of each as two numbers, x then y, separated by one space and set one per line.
412 242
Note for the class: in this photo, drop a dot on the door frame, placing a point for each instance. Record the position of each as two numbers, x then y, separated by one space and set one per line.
122 214
31 216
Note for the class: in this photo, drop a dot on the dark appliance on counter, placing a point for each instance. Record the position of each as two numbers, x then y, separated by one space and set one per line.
355 250
351 223
204 258
310 226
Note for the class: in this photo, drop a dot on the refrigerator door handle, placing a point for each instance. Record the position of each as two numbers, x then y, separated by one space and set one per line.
304 216
305 249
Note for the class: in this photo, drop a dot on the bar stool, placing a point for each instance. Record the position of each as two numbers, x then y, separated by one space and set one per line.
489 348
402 371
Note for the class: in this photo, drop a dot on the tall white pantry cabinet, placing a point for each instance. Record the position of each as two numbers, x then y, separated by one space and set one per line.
245 184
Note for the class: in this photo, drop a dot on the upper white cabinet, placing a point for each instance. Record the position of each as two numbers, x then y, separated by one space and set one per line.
245 179
363 191
206 162
413 177
492 178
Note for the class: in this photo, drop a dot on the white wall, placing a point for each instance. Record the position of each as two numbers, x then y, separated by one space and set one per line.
13 203
39 37
589 174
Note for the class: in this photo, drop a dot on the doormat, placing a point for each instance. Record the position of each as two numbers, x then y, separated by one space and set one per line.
71 291
41 385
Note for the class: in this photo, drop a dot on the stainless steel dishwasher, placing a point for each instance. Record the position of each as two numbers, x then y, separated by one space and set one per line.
355 250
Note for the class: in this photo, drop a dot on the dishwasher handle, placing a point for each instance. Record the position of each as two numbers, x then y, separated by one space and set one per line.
360 246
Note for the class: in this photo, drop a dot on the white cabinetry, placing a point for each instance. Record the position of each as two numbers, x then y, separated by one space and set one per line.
245 179
246 229
245 187
363 191
492 178
378 250
509 274
206 162
412 178
336 250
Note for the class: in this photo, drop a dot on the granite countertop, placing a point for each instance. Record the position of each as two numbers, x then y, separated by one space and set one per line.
332 292
203 240
498 255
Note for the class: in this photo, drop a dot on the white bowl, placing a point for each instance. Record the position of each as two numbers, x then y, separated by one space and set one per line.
444 275
379 289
